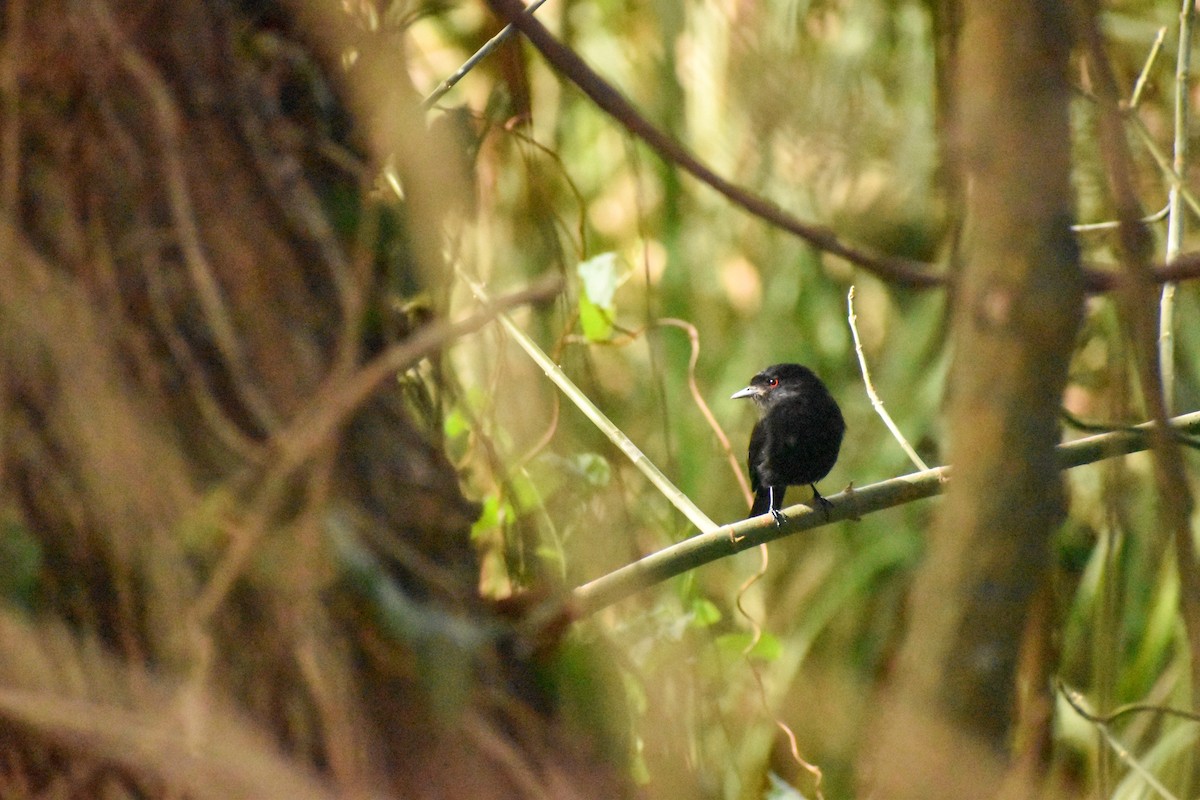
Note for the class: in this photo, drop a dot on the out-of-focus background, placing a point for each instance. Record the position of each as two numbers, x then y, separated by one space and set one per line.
238 558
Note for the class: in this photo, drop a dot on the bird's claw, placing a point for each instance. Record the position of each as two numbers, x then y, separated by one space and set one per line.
824 505
821 503
779 516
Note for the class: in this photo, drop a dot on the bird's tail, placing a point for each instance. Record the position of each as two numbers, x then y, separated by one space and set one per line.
762 500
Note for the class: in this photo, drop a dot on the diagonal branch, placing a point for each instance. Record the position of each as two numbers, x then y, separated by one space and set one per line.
745 534
897 271
894 270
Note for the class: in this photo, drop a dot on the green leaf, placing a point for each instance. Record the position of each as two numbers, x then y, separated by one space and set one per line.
705 613
596 322
600 277
489 517
455 424
594 468
767 648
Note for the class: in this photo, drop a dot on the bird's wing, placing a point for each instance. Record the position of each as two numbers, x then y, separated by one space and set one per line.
758 443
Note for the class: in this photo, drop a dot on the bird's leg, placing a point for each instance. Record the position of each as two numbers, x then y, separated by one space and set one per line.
773 506
821 501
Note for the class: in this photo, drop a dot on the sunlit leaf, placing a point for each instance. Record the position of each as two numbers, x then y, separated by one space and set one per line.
595 321
600 276
455 424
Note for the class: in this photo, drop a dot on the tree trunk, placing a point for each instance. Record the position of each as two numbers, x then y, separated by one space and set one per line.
239 584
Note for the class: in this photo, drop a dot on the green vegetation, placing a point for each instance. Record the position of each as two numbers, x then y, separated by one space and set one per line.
830 109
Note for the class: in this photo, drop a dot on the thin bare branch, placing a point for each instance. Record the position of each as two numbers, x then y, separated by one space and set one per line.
470 64
1176 216
876 402
311 432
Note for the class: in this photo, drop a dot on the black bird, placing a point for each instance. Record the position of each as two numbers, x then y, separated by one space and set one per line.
797 436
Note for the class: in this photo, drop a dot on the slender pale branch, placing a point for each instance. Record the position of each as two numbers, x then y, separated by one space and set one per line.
1135 98
745 534
606 426
470 64
1176 217
876 402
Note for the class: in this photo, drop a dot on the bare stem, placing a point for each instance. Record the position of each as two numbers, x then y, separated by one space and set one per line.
1176 218
871 393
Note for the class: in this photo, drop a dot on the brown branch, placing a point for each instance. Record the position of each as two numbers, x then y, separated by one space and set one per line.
1075 699
894 270
1184 267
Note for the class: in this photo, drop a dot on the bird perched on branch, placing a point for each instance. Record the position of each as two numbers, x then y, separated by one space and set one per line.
797 436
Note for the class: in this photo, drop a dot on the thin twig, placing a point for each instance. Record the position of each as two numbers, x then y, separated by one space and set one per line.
871 393
756 629
1125 710
310 433
1135 98
1164 164
470 64
694 388
894 270
793 746
698 399
1105 427
1113 224
1176 218
1185 267
1138 300
336 404
1075 701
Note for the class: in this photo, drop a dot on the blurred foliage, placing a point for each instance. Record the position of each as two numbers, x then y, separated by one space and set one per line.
828 108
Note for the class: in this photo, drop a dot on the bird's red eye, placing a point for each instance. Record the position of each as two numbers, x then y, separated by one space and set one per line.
773 382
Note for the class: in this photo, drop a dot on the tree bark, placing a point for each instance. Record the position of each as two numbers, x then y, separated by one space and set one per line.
194 263
948 711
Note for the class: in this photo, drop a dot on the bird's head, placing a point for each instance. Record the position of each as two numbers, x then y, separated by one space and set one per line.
776 382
